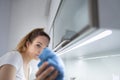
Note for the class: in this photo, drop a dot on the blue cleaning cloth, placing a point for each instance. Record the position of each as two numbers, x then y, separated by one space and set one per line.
54 60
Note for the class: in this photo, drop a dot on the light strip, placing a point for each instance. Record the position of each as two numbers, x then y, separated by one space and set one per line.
97 37
99 57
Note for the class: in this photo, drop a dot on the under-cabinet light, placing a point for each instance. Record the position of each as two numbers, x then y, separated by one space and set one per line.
97 37
98 57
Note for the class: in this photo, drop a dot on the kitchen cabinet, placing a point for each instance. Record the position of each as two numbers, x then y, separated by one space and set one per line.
76 20
109 14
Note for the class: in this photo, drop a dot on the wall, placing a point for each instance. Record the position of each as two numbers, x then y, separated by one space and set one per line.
104 68
25 15
17 18
4 25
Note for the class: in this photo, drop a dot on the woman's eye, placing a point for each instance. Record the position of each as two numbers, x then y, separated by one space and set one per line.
38 45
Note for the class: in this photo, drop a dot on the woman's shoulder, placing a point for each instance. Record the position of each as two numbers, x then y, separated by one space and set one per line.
13 53
12 57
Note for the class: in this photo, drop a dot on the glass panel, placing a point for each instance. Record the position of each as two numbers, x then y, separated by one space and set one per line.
73 16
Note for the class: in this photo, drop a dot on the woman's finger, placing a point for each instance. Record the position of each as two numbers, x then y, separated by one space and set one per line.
53 76
45 73
42 68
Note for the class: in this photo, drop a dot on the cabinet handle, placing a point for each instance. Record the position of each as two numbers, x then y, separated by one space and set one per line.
60 45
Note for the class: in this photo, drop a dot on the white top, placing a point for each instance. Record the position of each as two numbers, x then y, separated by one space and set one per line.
14 58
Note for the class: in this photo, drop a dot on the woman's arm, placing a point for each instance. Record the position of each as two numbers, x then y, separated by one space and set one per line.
7 72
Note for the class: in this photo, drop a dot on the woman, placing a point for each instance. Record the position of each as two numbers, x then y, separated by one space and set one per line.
15 64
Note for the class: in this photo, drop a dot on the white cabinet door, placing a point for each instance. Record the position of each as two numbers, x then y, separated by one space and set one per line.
109 14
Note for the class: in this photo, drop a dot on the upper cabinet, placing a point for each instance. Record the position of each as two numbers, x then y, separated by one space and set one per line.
109 14
77 19
74 18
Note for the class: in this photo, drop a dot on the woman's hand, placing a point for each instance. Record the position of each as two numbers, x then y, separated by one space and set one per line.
43 73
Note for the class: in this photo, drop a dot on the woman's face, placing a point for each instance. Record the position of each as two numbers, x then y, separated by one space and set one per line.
34 49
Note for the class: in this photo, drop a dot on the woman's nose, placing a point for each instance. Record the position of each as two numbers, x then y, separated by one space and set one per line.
40 50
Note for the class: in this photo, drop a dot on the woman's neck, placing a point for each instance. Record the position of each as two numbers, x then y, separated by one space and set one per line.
26 58
26 61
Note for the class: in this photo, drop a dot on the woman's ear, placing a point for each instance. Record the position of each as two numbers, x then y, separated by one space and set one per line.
27 43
